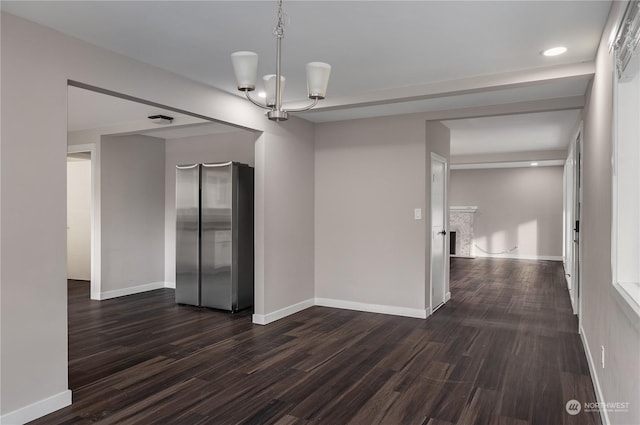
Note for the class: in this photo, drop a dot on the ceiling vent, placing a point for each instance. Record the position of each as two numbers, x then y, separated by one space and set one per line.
161 119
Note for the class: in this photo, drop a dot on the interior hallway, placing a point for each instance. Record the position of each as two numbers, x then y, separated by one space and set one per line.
503 350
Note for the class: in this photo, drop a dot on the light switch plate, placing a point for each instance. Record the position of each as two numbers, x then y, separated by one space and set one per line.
417 213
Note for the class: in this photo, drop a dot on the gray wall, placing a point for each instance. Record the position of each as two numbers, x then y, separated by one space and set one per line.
34 131
236 146
603 321
285 191
132 211
516 207
369 177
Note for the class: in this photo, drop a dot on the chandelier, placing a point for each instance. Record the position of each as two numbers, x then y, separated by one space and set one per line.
245 67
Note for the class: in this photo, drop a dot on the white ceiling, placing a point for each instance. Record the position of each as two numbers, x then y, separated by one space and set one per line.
191 130
512 133
88 110
388 57
372 45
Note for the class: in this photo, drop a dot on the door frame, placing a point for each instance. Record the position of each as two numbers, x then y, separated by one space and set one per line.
573 195
95 214
568 223
445 283
577 207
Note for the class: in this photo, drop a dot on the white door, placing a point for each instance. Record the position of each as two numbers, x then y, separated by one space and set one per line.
439 256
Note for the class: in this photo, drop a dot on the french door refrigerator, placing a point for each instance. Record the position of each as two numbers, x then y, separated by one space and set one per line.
214 235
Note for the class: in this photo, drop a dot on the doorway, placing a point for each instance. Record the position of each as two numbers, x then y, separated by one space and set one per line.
81 217
439 218
92 117
133 160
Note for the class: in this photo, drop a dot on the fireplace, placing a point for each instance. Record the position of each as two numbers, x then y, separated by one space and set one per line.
461 227
452 242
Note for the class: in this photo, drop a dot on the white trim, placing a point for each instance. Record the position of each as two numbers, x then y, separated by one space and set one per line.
509 164
38 409
577 278
627 304
594 378
372 308
132 290
521 257
85 147
264 319
170 285
447 296
465 209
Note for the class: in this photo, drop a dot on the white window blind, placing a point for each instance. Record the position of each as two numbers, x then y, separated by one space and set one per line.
627 40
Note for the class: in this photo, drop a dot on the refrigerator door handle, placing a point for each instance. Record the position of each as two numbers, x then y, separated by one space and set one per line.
222 164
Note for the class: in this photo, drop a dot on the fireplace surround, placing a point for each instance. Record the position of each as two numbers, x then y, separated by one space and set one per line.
461 222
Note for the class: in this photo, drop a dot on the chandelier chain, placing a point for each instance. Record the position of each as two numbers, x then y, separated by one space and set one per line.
283 21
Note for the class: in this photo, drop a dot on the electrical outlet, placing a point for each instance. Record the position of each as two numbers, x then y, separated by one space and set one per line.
602 355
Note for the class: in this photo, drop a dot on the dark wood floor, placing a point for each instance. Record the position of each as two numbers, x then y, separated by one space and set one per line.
505 350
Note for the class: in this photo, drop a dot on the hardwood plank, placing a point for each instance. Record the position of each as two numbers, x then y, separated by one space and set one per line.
504 350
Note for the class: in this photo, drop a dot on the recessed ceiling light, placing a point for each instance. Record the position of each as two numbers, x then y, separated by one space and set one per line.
534 164
554 51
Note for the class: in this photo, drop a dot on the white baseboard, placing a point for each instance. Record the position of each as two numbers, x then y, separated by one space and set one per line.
521 257
170 285
594 377
37 410
131 290
447 296
264 319
372 308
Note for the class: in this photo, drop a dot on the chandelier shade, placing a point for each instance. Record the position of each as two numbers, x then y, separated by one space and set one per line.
317 79
245 67
270 88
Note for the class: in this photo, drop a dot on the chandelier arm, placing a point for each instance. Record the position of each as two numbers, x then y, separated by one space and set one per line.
255 102
306 108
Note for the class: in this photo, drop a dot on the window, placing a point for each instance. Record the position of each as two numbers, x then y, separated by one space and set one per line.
625 243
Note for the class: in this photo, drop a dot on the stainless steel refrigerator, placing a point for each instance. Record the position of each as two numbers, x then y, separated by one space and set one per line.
214 235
